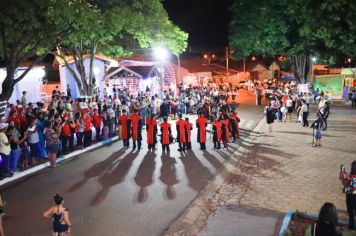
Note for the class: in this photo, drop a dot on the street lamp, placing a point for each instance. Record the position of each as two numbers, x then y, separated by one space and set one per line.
314 60
161 54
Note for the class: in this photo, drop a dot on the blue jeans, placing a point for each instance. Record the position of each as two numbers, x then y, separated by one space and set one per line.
14 159
5 163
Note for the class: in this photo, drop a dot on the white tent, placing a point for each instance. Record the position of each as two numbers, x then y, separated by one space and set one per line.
31 83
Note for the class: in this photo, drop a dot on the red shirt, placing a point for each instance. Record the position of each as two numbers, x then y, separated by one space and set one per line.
165 132
87 124
97 120
181 123
66 130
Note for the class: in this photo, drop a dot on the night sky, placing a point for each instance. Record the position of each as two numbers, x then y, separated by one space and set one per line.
206 21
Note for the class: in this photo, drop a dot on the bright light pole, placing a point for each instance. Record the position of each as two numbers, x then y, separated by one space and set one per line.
161 54
314 60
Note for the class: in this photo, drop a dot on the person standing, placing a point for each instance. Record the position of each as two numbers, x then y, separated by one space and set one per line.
305 113
217 133
59 216
5 150
349 182
201 124
136 127
87 129
33 140
125 123
226 129
234 124
258 96
166 133
97 124
14 139
65 133
188 131
353 98
151 127
270 116
181 133
52 142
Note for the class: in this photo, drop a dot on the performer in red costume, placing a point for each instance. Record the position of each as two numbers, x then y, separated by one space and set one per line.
125 123
188 131
151 127
166 133
225 130
136 127
201 124
181 133
217 133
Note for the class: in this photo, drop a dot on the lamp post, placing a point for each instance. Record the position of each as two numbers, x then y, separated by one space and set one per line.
161 54
314 60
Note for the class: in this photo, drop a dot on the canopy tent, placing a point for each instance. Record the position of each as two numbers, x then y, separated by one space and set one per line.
140 76
31 83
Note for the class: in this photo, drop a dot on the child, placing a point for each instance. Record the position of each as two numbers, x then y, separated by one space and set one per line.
318 135
25 149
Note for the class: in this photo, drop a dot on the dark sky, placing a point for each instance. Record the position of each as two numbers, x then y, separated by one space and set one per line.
206 21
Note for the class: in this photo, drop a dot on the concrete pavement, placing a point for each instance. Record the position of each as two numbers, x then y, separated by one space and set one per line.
278 171
112 191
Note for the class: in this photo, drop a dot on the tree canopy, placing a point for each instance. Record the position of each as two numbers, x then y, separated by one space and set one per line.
32 29
294 28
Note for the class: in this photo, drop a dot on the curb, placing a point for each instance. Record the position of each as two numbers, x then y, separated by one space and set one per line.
60 159
287 218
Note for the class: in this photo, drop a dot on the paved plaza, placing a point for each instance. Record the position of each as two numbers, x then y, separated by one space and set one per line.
278 171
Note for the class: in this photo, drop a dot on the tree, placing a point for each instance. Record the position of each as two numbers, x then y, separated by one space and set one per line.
113 28
30 30
299 29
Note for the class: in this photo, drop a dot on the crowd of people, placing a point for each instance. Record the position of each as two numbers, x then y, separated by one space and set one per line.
284 100
31 133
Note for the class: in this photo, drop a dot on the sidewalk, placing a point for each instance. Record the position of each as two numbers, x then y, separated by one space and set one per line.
275 172
22 174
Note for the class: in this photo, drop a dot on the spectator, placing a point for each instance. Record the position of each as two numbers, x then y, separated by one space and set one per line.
24 99
14 139
349 182
52 142
327 221
40 127
33 140
353 98
79 130
65 133
87 130
97 123
5 150
270 116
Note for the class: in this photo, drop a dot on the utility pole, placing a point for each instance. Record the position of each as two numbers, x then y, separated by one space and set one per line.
227 63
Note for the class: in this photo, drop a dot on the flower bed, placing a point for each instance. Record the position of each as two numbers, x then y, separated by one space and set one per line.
300 225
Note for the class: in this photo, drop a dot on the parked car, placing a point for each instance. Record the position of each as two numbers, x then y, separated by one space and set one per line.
241 84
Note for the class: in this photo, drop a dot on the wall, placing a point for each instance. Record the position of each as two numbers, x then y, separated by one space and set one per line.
66 77
32 84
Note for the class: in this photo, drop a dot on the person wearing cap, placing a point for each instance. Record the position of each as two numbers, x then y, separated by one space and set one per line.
59 216
188 132
151 127
97 123
125 123
136 127
5 150
201 124
181 133
166 134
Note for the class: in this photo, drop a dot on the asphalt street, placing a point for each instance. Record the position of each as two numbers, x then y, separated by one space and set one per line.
112 191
